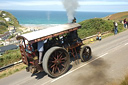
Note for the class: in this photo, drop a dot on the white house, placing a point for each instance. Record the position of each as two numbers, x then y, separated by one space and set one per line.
7 19
3 15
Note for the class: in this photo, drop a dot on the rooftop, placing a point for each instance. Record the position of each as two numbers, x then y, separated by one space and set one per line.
48 31
8 47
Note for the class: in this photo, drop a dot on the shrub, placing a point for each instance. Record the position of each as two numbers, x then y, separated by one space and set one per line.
3 29
92 26
9 57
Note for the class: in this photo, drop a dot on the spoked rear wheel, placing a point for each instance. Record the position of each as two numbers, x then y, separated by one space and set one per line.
56 61
85 53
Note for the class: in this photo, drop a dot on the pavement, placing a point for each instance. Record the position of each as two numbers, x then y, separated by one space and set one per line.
108 64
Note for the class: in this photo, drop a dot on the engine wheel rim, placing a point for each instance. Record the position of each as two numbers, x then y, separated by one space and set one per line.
86 53
57 62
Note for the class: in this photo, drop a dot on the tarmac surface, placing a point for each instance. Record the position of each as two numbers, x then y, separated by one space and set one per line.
108 63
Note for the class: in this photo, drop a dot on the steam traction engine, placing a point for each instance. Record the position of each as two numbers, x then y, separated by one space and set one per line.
62 42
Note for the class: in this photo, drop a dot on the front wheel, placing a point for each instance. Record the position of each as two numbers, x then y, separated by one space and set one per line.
56 61
85 53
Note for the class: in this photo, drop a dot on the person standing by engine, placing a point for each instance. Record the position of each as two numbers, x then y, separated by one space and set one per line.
40 50
74 20
125 25
115 27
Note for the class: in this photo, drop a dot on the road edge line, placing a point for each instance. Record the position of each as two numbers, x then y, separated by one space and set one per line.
78 67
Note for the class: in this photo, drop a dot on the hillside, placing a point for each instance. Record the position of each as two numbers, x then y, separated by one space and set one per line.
93 26
6 20
117 16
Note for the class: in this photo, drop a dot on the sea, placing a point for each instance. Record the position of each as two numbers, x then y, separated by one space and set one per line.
53 17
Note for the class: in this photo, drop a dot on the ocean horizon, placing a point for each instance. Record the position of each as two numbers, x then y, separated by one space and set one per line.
52 17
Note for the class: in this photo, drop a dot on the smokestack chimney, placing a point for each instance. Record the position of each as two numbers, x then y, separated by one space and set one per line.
70 6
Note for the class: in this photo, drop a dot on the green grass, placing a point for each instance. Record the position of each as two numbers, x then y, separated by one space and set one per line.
10 57
11 36
13 21
12 70
125 81
19 30
93 26
1 45
4 24
88 41
119 82
117 16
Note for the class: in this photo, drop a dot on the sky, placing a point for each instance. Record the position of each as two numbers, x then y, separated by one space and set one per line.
56 5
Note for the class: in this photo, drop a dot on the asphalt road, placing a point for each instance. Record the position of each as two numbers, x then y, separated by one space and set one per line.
108 63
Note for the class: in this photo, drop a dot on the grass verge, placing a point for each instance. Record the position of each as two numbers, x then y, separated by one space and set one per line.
120 82
12 70
88 41
125 81
10 57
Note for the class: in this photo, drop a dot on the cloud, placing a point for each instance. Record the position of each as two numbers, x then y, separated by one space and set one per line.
84 5
59 2
30 3
102 3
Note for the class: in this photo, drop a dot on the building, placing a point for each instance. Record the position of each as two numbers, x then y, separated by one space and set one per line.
12 29
4 36
7 19
3 15
6 48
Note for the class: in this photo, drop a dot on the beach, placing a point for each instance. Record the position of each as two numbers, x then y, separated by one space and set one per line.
34 27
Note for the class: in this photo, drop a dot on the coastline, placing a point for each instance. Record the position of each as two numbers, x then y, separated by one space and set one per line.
33 27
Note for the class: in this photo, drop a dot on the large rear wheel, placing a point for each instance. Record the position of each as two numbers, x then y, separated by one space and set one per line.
56 61
85 53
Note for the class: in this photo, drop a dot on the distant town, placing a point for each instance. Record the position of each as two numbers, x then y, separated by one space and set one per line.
10 30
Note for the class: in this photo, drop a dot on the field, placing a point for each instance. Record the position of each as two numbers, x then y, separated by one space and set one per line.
118 16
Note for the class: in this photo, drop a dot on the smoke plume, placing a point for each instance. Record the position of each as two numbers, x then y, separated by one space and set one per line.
70 6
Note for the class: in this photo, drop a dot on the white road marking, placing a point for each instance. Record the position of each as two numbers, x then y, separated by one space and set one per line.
113 49
46 82
126 44
78 68
86 63
116 48
22 81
